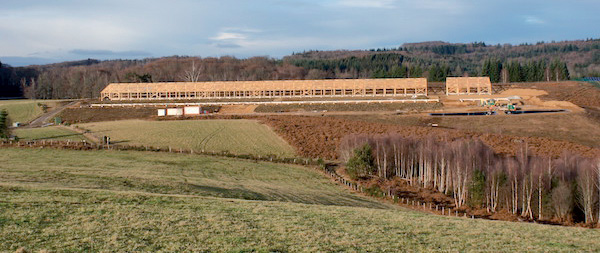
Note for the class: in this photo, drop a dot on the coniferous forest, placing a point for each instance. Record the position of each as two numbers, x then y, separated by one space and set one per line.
543 61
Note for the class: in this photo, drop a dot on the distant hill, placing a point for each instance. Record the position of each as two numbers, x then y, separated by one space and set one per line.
582 57
435 60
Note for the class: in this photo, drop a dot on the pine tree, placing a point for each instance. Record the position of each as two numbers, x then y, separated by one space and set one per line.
514 71
437 73
362 163
4 122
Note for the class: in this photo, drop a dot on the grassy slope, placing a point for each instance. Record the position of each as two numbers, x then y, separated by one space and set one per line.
171 174
48 133
236 136
83 204
25 110
21 110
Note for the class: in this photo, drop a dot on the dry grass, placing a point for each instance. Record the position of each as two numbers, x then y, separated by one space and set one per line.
571 127
236 136
102 201
48 133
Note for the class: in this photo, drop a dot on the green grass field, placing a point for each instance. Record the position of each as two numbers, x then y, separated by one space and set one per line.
137 201
25 110
235 136
21 110
171 174
48 133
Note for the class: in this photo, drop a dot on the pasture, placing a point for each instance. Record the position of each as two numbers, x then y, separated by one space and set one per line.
61 200
235 136
26 110
48 133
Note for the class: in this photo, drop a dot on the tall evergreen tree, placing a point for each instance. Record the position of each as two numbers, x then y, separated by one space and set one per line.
514 71
559 70
4 122
438 73
493 69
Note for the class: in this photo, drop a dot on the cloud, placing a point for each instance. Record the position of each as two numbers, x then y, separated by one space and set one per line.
17 61
534 20
233 37
367 3
227 45
95 52
229 36
103 29
61 33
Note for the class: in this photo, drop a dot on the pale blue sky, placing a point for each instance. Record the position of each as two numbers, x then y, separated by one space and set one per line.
39 31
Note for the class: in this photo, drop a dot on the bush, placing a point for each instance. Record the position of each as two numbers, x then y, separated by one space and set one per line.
361 164
477 189
374 191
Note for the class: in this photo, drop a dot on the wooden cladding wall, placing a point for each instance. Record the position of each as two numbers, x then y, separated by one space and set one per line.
468 85
266 89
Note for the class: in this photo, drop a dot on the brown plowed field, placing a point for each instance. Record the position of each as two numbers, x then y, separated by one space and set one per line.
320 136
86 114
579 93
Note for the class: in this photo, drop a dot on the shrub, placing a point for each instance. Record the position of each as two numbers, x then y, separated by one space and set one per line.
361 164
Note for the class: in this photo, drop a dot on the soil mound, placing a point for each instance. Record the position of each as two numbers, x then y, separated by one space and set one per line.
524 92
237 109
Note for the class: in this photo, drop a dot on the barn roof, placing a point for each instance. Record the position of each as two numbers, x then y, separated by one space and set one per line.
379 83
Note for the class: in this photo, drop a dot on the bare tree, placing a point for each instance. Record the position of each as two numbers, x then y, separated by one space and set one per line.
597 163
193 74
586 183
561 200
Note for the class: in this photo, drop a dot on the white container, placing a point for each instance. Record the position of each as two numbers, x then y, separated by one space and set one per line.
162 112
175 111
191 110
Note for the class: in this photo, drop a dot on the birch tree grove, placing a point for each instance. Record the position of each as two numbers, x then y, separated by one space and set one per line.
473 175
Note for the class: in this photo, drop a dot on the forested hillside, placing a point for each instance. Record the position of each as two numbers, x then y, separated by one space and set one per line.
434 60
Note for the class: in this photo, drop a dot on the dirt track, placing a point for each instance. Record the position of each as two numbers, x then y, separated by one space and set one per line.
41 120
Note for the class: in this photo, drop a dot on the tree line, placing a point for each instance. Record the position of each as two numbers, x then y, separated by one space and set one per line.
433 60
564 189
531 71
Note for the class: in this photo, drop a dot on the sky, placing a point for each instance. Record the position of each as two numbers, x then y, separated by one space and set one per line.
43 31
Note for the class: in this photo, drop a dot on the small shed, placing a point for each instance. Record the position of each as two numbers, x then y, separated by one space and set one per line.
191 110
175 111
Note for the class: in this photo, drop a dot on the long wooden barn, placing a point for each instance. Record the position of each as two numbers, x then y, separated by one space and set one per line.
468 86
266 89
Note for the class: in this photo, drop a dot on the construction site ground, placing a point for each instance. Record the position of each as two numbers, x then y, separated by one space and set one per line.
316 132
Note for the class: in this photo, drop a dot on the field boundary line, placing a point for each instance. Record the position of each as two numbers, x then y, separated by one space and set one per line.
367 101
